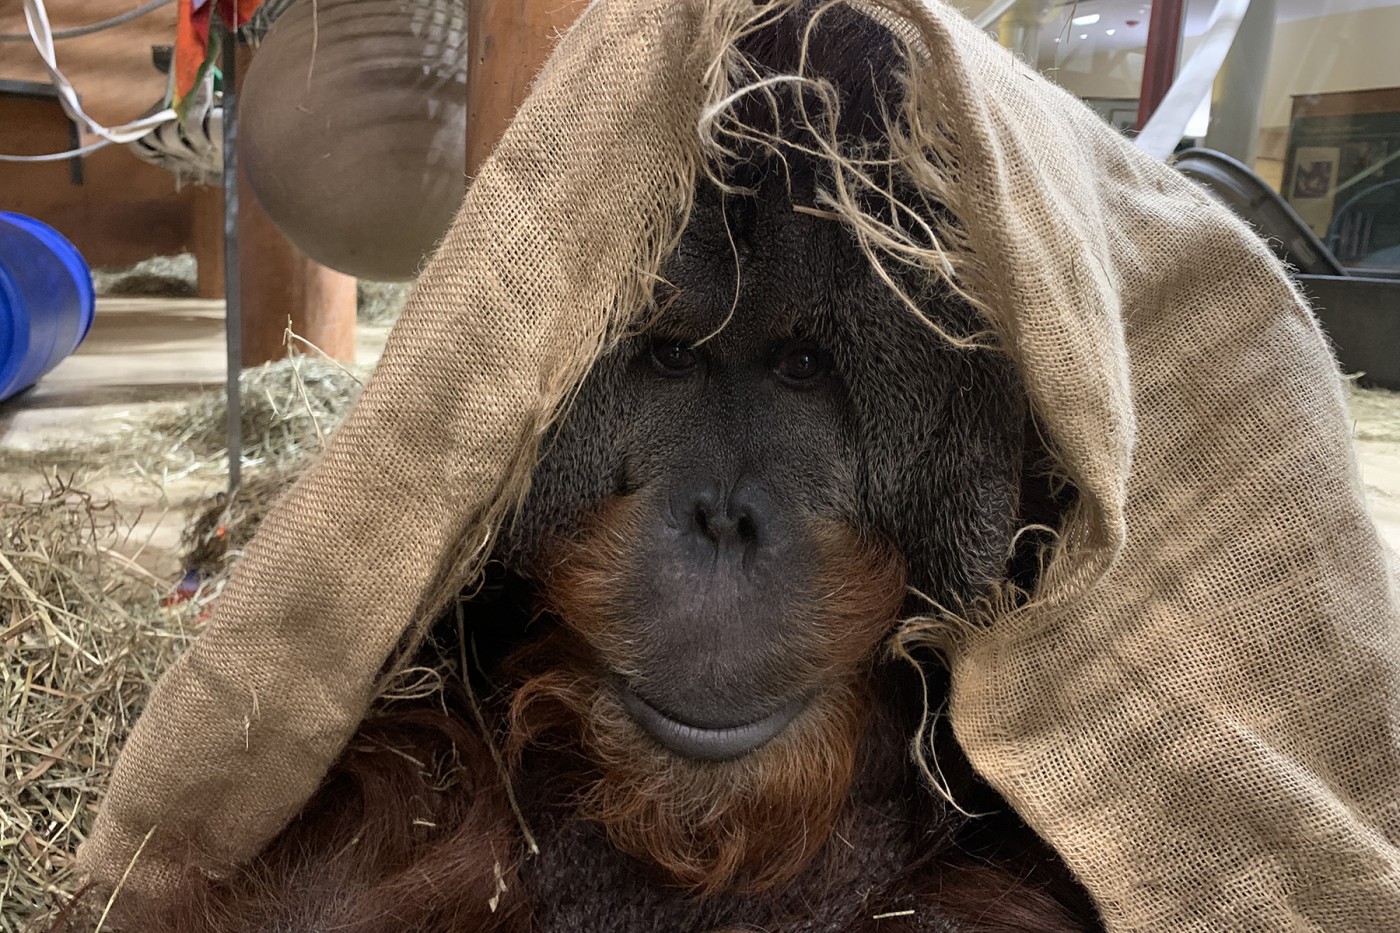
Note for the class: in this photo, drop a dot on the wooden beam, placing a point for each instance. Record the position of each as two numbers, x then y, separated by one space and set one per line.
1163 54
508 40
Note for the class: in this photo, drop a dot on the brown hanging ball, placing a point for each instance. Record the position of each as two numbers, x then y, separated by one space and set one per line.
352 123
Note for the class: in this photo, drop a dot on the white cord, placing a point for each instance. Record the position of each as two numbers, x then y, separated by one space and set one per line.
36 18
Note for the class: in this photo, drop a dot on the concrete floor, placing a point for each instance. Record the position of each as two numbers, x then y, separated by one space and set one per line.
146 353
1380 471
143 355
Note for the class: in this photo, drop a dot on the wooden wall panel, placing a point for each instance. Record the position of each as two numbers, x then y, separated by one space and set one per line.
125 210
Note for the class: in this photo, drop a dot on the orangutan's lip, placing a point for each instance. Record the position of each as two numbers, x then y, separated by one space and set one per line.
710 744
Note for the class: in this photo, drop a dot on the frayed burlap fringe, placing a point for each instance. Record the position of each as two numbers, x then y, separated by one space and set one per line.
1199 707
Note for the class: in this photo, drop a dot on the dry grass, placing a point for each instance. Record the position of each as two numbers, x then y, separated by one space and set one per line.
1375 414
157 277
84 636
85 629
289 408
380 302
216 537
178 277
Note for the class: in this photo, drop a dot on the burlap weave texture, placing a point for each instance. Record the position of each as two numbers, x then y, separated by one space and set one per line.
1200 709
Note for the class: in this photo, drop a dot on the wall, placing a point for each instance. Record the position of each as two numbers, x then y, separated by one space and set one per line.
1343 52
1338 52
1322 53
125 210
112 69
1098 68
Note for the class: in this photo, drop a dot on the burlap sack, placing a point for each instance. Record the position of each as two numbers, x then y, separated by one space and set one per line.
1201 708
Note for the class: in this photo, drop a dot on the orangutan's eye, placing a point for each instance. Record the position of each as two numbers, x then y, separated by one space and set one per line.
673 357
802 362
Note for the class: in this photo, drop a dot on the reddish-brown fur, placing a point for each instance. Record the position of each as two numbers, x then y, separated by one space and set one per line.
413 829
749 824
410 831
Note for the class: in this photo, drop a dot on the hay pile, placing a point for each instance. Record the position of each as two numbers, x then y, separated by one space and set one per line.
1375 414
216 537
380 302
84 636
85 629
157 277
376 303
289 407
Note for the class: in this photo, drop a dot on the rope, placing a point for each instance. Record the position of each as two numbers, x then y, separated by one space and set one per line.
76 31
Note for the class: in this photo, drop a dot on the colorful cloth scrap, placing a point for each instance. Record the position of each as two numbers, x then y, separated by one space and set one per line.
195 54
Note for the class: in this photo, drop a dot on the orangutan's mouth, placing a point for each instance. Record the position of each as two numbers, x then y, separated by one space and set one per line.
710 743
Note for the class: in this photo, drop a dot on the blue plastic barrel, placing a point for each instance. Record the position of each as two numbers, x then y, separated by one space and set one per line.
46 301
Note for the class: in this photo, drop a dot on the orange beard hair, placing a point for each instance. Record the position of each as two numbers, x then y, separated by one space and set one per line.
749 824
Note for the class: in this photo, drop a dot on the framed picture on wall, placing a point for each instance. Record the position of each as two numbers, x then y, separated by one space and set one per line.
1343 165
1313 188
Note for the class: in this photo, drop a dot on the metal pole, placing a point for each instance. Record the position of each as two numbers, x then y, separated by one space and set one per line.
1163 55
233 338
1239 90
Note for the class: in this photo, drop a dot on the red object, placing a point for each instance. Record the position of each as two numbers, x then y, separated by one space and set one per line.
192 53
1163 51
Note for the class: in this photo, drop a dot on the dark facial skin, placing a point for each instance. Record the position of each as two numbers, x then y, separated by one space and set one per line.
742 440
701 731
736 426
778 388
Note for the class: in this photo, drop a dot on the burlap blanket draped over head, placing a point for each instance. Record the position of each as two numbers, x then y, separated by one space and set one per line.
1201 708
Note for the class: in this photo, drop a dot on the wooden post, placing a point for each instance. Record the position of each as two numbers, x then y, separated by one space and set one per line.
207 233
278 282
509 40
1163 54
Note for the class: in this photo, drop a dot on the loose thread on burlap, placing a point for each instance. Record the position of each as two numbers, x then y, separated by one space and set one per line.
921 745
653 312
112 898
928 248
738 274
939 633
531 845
